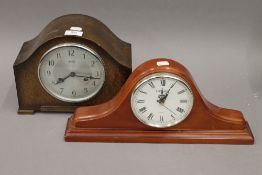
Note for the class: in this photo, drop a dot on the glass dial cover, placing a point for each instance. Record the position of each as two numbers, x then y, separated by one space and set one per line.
161 100
71 72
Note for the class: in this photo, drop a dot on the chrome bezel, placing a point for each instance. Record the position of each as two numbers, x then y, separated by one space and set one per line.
160 75
66 99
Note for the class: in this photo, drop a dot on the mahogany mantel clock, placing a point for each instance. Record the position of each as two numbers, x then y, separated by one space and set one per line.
76 60
159 103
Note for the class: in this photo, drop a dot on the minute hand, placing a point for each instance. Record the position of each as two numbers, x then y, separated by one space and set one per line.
87 77
163 99
90 77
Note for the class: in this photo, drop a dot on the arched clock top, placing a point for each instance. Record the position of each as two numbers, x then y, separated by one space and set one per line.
92 30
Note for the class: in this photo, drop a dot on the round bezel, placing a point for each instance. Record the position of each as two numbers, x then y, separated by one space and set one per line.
160 75
67 99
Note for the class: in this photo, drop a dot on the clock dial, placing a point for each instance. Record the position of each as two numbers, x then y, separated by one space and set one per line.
71 72
162 100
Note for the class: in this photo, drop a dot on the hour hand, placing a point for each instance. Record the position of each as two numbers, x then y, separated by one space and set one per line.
86 77
60 80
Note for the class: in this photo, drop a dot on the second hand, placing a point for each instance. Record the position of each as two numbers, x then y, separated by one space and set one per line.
167 108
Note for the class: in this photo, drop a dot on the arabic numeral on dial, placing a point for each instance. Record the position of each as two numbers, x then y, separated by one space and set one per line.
94 83
84 56
86 90
92 63
61 90
51 62
71 53
58 55
48 72
97 73
74 93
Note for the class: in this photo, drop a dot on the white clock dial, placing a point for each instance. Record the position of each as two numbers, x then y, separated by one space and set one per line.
71 72
162 100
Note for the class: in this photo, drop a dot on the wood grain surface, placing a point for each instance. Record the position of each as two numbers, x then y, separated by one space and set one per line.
114 120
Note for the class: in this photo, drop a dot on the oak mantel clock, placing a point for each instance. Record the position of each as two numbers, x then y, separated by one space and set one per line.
76 60
159 103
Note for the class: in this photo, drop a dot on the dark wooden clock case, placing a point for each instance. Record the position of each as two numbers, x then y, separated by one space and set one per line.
114 120
116 55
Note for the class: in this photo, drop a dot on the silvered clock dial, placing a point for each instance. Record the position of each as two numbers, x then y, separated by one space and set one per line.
162 100
71 72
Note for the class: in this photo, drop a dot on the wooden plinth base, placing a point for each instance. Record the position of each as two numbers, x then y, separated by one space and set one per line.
244 136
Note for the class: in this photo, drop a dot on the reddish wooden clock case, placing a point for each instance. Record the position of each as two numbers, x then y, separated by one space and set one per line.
114 120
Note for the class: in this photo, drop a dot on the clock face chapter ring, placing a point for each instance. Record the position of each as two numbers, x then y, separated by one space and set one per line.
71 72
161 100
